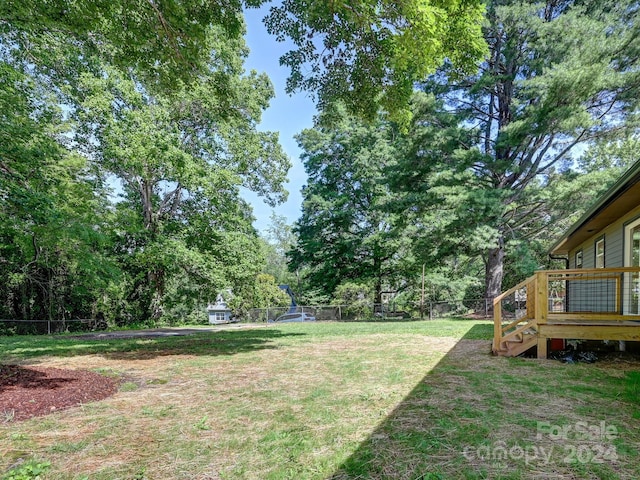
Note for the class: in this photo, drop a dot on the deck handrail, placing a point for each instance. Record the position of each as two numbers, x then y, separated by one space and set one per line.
572 271
498 328
513 289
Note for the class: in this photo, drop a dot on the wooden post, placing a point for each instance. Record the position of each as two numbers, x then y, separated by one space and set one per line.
542 309
497 324
619 294
542 298
531 298
542 347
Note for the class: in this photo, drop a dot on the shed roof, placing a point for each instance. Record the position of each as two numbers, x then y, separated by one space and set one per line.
218 307
621 198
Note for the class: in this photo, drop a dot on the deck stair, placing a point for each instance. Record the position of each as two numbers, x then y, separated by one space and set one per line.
517 336
519 340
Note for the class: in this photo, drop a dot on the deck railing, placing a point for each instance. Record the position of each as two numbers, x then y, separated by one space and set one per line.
563 296
514 311
600 294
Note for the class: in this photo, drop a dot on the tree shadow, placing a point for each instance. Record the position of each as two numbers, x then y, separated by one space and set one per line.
415 439
140 346
16 376
476 416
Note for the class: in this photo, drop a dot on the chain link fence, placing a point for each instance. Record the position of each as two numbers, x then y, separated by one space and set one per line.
42 327
472 308
320 312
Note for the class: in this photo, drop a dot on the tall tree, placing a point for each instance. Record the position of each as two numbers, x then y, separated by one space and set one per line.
50 242
368 53
436 199
343 230
558 74
181 160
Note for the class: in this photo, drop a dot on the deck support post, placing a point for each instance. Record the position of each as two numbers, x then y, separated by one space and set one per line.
542 347
497 323
542 297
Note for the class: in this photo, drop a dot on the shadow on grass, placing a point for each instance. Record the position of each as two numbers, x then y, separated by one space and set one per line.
210 343
21 377
415 319
472 407
412 442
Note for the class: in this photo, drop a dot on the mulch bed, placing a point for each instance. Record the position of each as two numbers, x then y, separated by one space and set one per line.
32 391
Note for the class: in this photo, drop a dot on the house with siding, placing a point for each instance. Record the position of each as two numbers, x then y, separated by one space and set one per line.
598 296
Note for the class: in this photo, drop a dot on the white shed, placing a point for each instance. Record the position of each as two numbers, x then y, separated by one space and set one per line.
219 312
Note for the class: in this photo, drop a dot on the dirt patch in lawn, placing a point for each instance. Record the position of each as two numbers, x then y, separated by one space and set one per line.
32 391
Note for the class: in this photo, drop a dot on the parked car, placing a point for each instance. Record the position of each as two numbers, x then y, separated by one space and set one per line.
296 317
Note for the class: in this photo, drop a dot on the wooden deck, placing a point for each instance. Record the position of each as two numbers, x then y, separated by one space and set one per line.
585 304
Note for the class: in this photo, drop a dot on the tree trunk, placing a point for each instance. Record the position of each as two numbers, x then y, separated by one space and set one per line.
494 270
146 196
377 271
156 281
378 291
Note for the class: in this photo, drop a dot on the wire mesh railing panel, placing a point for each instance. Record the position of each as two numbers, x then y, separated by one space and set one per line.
591 294
610 291
631 293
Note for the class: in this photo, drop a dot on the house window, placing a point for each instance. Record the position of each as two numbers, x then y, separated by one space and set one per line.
600 253
579 259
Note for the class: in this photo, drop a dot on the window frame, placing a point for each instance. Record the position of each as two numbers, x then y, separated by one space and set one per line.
597 256
579 259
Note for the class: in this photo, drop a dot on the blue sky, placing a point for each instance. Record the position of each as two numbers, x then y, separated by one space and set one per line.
286 114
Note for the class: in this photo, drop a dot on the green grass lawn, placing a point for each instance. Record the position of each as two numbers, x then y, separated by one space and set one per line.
396 400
